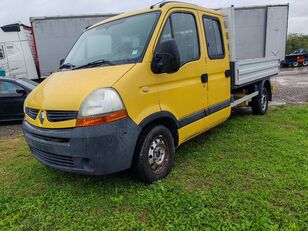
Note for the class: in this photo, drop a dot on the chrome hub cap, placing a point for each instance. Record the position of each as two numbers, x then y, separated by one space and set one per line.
157 156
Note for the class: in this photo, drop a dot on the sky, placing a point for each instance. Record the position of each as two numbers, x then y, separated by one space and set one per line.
12 11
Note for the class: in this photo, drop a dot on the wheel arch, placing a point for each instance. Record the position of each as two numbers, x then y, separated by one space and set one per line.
163 118
267 84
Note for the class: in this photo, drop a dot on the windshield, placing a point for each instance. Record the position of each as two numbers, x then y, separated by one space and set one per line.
117 42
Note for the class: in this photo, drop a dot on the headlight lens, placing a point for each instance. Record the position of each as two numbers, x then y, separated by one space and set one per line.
99 102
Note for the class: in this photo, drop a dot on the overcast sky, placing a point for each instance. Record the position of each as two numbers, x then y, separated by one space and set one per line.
12 11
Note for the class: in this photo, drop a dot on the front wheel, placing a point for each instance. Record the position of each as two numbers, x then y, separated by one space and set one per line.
260 103
295 64
154 154
305 63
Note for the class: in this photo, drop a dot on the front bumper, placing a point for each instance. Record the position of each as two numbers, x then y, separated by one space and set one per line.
96 150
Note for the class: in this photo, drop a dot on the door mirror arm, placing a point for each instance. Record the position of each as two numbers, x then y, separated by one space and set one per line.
61 62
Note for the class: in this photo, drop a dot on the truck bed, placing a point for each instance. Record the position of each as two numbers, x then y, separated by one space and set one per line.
257 41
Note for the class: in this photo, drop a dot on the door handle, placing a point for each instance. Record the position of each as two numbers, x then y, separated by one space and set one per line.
204 78
228 73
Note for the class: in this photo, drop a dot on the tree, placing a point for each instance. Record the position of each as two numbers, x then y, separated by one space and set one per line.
297 41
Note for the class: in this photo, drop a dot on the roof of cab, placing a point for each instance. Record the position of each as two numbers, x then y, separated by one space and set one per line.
174 4
164 6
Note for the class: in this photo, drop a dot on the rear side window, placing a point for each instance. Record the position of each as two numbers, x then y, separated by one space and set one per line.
182 27
213 34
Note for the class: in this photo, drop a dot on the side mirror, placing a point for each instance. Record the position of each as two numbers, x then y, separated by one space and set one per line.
61 62
21 91
166 58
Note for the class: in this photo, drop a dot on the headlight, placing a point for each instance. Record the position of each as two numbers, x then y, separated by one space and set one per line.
101 106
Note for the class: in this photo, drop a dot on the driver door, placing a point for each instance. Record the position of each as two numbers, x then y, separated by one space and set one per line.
184 93
11 102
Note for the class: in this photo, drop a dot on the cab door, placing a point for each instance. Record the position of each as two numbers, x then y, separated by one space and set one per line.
216 69
184 93
3 59
16 59
11 102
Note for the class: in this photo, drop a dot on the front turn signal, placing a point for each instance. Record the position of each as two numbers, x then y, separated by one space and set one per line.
114 116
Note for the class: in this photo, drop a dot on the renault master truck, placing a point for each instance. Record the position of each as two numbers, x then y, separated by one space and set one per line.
136 86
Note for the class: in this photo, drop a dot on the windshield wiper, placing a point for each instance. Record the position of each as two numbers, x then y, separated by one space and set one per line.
95 64
67 66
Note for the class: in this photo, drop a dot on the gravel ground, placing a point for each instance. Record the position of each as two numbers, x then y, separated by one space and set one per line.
291 88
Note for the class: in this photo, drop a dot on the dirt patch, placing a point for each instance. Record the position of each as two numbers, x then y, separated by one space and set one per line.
8 148
10 130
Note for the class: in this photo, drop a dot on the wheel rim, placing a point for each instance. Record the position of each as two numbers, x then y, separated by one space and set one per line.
263 102
158 154
295 64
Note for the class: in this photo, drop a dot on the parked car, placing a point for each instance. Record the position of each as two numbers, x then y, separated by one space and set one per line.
12 95
135 87
296 59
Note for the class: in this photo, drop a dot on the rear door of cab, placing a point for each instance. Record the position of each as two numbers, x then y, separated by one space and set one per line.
183 93
216 68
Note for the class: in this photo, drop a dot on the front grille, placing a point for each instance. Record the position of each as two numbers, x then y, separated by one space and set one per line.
49 138
32 113
54 159
59 116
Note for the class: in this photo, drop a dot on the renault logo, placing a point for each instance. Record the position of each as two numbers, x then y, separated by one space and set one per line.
42 117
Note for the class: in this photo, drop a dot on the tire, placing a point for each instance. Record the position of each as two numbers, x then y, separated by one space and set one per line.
154 155
305 63
295 64
260 103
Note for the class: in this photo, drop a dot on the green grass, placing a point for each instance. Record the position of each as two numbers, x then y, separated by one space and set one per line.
250 173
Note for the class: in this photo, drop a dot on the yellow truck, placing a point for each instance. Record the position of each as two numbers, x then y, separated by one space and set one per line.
136 86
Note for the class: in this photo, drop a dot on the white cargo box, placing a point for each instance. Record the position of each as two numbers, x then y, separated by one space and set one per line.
257 40
55 36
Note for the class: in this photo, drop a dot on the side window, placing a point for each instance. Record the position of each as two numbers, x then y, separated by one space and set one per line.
11 49
167 32
214 38
182 27
7 88
2 56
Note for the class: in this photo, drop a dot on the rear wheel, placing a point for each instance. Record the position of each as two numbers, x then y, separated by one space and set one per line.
154 154
305 63
260 103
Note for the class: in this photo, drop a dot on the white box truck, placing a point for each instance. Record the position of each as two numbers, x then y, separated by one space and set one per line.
35 52
17 51
55 36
